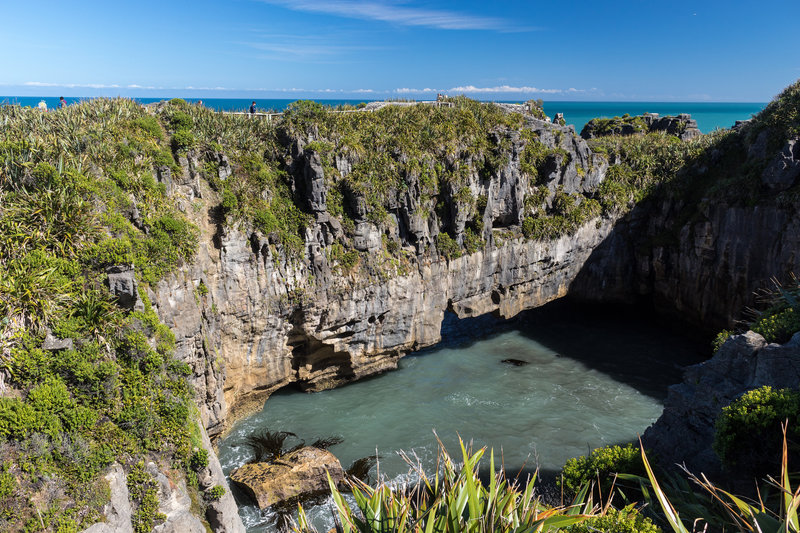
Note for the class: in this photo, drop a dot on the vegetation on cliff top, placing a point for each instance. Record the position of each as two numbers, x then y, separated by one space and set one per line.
780 119
625 124
70 183
716 167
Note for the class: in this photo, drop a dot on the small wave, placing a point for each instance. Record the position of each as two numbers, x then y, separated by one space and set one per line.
464 399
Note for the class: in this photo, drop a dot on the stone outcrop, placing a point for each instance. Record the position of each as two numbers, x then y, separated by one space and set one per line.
174 501
122 284
784 169
684 433
118 511
682 126
301 473
704 258
54 344
222 514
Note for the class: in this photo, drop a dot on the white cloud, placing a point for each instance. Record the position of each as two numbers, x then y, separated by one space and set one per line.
299 50
503 89
71 85
192 88
398 13
498 89
407 90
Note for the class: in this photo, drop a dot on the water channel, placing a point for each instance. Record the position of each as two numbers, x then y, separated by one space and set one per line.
592 376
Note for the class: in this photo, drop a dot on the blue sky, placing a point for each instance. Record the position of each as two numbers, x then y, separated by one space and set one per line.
555 50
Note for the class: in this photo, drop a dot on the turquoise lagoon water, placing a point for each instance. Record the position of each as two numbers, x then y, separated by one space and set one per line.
594 376
709 116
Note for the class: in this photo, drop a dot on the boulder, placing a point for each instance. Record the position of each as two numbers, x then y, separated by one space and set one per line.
367 237
117 513
122 283
784 169
303 472
54 344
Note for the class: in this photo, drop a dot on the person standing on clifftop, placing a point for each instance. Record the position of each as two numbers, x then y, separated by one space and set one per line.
253 108
61 102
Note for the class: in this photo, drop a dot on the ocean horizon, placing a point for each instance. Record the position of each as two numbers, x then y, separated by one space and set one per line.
709 115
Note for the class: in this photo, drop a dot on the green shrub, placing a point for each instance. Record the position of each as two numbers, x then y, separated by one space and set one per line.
626 520
143 493
614 193
778 327
216 492
600 467
343 258
447 247
748 433
229 201
183 140
149 124
8 483
720 339
18 419
199 459
472 241
181 121
51 396
264 220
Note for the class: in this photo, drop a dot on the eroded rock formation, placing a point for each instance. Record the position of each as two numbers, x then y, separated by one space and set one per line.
265 320
682 126
298 474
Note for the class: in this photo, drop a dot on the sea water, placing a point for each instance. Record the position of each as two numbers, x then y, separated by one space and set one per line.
592 377
709 115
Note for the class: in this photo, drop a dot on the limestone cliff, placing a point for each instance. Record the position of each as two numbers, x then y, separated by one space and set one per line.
265 319
703 244
381 257
363 289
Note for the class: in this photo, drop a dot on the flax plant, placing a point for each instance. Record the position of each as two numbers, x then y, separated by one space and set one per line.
743 516
453 500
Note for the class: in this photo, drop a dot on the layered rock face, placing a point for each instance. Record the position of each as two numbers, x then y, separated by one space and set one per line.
264 320
709 274
704 259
